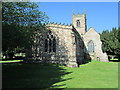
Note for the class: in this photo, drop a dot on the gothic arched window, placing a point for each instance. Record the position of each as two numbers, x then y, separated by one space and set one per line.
46 45
50 43
90 46
78 23
54 45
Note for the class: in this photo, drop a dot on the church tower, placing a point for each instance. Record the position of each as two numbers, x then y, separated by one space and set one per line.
79 22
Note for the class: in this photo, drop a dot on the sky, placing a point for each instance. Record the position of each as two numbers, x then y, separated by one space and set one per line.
100 15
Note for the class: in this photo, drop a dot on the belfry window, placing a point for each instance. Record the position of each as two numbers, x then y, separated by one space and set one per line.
78 23
90 46
50 43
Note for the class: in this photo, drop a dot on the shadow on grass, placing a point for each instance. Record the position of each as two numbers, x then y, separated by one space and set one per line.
41 76
114 60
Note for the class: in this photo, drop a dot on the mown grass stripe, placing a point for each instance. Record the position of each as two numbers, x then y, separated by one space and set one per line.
10 61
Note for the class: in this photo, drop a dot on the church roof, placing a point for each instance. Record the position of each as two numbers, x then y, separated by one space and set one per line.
91 30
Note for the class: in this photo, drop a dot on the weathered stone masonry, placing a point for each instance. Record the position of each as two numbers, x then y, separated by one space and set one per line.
70 44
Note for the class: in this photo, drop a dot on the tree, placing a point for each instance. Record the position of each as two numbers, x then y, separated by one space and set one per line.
111 41
105 38
119 34
19 22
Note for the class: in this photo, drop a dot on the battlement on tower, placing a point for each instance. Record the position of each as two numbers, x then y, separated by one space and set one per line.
79 15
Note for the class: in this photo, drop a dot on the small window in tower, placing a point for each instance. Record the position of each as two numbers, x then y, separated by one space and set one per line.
78 23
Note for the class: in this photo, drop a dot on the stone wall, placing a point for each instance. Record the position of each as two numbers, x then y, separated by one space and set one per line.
71 44
82 19
91 34
66 45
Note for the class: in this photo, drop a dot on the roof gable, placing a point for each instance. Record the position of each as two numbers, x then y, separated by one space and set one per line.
91 31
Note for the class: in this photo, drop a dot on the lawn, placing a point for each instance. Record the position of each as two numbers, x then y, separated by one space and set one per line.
10 61
94 74
114 59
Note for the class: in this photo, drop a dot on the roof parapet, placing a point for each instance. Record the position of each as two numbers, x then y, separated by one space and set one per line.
59 25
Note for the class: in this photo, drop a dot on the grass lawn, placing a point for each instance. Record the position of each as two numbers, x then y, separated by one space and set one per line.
114 59
91 75
10 61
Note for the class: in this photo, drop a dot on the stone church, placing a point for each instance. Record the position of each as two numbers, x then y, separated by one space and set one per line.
70 45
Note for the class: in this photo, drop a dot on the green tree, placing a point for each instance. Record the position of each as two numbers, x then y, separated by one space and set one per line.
105 40
119 34
19 22
111 41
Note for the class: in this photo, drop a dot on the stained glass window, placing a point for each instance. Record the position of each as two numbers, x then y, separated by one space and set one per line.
46 45
90 46
54 45
50 43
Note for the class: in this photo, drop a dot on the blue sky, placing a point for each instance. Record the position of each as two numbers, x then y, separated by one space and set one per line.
100 15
